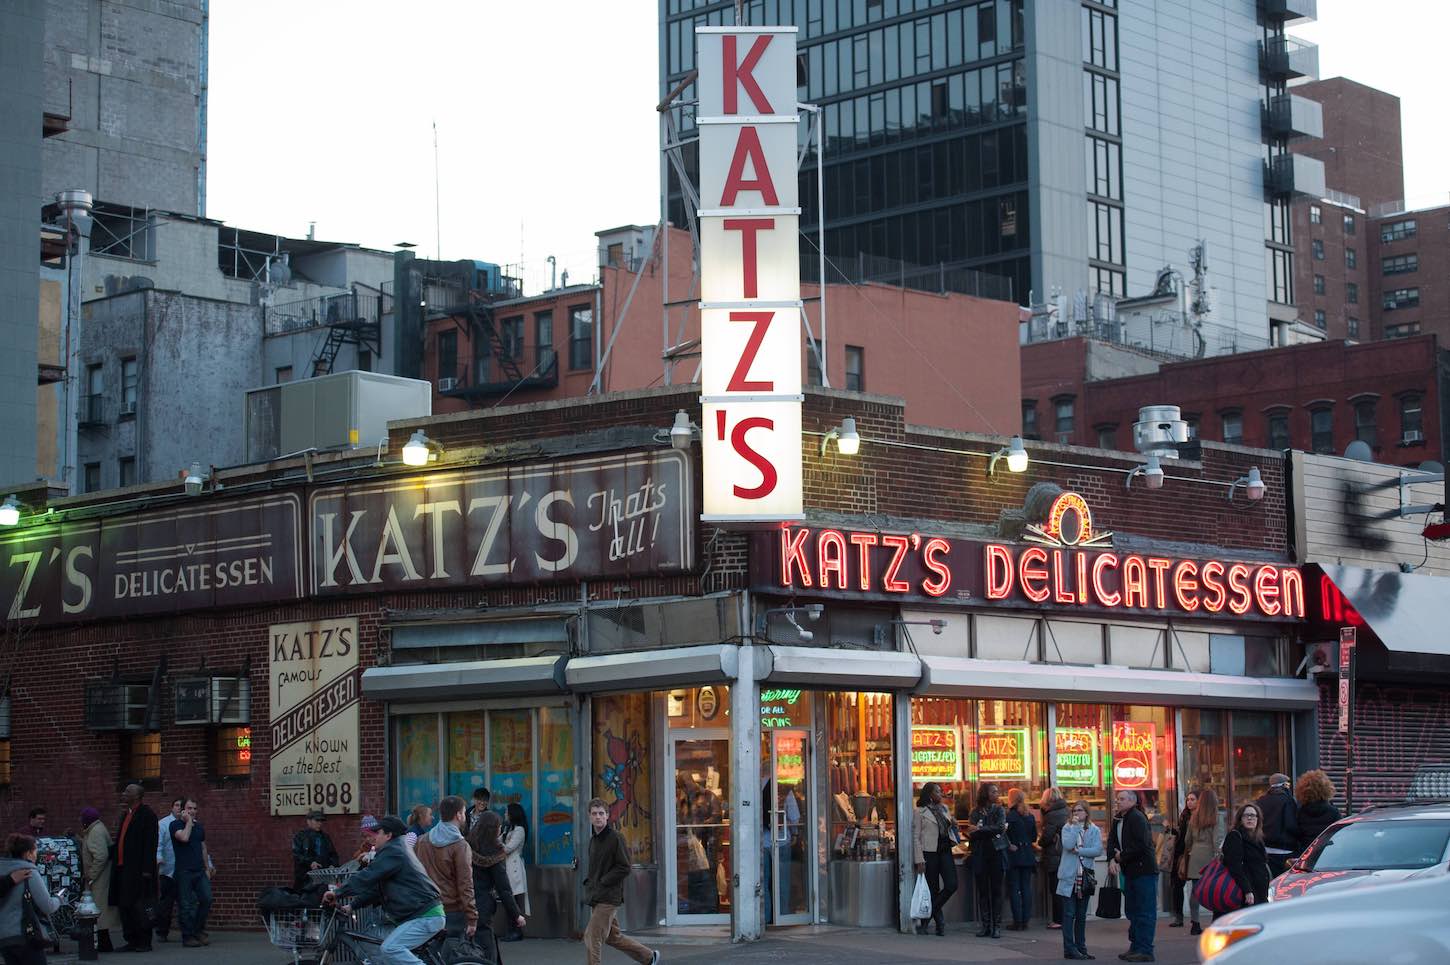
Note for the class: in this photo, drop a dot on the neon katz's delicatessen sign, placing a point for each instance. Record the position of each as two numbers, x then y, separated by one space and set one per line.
1064 564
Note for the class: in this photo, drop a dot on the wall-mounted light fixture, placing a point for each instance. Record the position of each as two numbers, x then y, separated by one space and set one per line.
194 482
812 611
10 511
682 433
1152 474
1253 485
1014 452
419 450
848 440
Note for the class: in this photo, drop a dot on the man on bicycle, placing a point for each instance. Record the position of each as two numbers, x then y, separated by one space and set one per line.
395 880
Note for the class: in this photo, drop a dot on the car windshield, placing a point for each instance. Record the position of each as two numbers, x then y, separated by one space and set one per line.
1380 845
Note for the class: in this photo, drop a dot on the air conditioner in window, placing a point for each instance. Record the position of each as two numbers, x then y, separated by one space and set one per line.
1412 435
447 385
128 408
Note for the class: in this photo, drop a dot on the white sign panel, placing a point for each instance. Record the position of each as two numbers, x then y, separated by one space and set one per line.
750 274
316 685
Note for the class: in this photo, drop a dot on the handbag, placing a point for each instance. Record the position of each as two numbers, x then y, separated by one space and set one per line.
1087 880
1167 848
1216 889
35 925
1110 902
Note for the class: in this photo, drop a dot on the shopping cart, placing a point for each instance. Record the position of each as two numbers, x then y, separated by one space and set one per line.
368 919
305 932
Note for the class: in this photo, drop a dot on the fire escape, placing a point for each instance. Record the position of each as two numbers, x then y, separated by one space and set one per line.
350 318
497 368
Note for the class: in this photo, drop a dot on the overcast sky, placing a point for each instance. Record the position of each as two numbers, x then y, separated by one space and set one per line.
323 110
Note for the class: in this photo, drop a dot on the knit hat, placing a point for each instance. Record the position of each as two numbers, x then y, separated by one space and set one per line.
88 816
369 823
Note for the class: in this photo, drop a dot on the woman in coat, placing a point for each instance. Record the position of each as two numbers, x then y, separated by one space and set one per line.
1200 844
1244 855
1054 818
1314 792
933 833
988 834
490 880
96 865
515 833
20 851
1081 843
1021 859
1179 833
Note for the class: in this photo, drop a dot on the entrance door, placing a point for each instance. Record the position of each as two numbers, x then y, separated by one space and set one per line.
697 880
788 849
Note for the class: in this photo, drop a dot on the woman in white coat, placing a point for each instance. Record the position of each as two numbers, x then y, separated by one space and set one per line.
516 834
96 860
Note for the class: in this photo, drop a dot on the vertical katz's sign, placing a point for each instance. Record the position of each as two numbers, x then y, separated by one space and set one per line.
750 302
316 684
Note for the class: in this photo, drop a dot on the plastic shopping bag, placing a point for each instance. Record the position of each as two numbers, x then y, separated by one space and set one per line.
921 899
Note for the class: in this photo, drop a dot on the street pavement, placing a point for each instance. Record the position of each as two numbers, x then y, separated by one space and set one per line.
805 945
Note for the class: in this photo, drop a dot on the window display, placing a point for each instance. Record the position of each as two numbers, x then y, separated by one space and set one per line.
863 788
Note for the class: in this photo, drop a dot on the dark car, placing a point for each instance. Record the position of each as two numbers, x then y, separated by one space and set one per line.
1389 843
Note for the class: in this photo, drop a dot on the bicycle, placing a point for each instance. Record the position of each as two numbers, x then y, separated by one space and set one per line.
319 936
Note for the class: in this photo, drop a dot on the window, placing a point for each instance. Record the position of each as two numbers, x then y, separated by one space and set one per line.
1063 419
1398 230
1321 430
1412 419
1317 246
1029 419
1351 258
544 340
1319 284
283 374
1278 430
130 376
231 752
1401 298
1319 321
93 478
1349 224
92 409
1351 293
581 337
1315 215
448 354
1107 437
364 360
141 760
855 368
1233 427
127 467
1400 264
1364 423
614 255
813 368
511 333
1393 844
1402 331
1353 324
5 763
1192 421
1104 168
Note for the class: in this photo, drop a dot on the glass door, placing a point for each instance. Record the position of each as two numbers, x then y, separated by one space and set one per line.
697 880
788 853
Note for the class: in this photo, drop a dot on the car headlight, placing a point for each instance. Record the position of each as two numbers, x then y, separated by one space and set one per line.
1218 937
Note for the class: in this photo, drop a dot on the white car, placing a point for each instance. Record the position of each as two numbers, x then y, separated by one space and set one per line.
1397 923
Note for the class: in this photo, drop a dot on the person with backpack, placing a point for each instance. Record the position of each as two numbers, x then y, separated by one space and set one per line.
1081 842
1279 823
1244 855
1021 859
933 834
1054 819
1200 844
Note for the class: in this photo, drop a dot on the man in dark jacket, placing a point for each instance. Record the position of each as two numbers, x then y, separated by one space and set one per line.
1130 851
1281 823
604 890
395 880
311 849
133 879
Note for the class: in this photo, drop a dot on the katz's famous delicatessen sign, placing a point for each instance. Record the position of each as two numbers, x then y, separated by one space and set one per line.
315 686
1062 565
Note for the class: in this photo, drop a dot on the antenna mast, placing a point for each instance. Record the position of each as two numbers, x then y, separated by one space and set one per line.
437 207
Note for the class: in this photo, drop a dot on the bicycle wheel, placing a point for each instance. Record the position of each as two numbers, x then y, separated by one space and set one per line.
64 919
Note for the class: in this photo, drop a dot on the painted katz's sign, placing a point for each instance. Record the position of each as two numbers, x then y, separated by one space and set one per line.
189 557
750 299
315 688
608 516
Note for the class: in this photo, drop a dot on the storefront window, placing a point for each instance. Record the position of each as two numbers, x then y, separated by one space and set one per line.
940 727
709 706
1081 744
1205 753
1260 750
862 783
467 763
510 749
231 752
1143 757
1010 746
554 830
417 760
622 770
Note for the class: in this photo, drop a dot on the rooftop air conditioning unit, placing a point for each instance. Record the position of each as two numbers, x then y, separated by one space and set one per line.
1159 430
1412 435
447 385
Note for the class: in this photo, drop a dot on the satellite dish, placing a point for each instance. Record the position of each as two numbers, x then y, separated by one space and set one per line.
1360 450
1431 465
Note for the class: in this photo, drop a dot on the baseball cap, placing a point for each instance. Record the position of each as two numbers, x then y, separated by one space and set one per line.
1276 779
392 825
369 823
316 816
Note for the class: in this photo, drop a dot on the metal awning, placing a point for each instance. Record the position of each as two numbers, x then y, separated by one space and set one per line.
654 669
1409 612
519 677
551 633
842 669
1020 680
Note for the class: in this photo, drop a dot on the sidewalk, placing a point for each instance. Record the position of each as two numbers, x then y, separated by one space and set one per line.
804 945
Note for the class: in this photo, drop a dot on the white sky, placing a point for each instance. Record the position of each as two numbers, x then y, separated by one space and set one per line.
322 110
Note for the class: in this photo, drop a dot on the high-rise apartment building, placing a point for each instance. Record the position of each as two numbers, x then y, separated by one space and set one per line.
1072 146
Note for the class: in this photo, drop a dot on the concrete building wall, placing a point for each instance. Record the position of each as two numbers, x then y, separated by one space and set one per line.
1192 150
130 77
1055 145
22 30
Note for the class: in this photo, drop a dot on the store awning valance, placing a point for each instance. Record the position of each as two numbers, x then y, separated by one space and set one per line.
654 669
1020 680
842 669
1409 612
519 677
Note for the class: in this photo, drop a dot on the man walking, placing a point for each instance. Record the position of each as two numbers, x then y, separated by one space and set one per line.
133 879
311 849
480 804
1280 824
604 891
193 876
448 859
395 880
1130 851
166 871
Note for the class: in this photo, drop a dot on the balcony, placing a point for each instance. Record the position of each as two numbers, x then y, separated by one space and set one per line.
1294 174
488 376
1286 58
1288 11
1289 116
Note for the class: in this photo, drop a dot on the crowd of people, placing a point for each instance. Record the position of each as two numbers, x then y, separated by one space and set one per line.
1008 843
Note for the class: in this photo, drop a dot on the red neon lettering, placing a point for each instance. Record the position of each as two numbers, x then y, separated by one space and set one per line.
747 147
863 543
1185 585
889 581
1238 585
833 561
750 261
1291 588
793 556
943 581
1135 581
1212 584
768 476
740 72
1105 596
1060 593
1000 575
1082 575
1266 590
739 379
1159 568
1032 570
